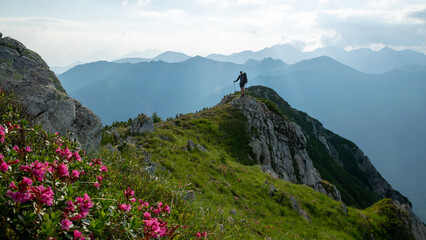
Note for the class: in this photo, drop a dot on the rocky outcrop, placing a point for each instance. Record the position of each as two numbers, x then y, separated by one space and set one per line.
373 180
279 145
25 74
416 227
142 124
345 153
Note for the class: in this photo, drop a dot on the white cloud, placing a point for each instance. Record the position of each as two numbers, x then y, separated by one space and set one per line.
200 27
363 28
252 2
142 2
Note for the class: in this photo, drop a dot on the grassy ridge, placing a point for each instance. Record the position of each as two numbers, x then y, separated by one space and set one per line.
235 199
351 181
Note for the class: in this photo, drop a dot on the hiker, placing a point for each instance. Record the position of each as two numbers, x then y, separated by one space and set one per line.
243 81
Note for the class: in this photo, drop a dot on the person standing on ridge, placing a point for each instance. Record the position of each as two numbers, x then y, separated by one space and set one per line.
243 81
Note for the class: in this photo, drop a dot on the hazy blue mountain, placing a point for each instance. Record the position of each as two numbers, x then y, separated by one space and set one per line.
118 91
169 56
62 69
132 60
382 113
286 53
148 53
364 59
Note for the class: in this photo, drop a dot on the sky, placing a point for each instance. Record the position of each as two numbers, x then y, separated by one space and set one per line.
64 32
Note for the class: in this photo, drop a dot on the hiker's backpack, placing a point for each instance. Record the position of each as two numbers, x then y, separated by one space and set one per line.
245 80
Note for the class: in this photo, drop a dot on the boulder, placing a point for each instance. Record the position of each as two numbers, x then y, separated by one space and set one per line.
25 74
142 124
190 145
189 196
344 209
299 209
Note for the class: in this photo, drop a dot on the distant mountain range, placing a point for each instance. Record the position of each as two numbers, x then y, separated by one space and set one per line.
169 56
61 69
383 113
363 59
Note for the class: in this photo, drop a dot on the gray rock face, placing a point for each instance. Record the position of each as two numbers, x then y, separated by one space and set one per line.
375 181
25 74
416 226
142 124
300 210
280 145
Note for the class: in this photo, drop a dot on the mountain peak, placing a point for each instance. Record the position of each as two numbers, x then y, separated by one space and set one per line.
171 57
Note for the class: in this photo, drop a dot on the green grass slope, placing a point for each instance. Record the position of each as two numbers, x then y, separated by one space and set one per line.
234 198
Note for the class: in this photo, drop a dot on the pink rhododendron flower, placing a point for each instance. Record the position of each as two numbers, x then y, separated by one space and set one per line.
16 148
42 194
156 211
152 227
166 208
2 134
84 204
100 178
13 162
129 193
77 234
23 150
70 208
62 170
76 156
104 169
76 217
75 173
12 185
96 162
160 209
37 169
66 224
4 166
64 153
19 196
200 234
26 182
124 207
12 126
143 203
97 185
22 195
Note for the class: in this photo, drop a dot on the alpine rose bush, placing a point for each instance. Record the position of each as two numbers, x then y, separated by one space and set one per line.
50 189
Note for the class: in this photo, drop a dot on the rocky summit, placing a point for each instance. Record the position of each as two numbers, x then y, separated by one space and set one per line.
279 145
25 74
